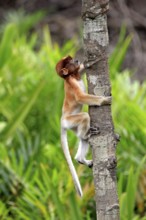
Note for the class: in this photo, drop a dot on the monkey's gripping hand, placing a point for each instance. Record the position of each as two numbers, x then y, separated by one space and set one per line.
88 64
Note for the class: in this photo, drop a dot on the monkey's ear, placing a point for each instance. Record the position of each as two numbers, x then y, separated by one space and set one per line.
64 71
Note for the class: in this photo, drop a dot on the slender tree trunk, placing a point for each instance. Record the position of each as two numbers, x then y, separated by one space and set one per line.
103 145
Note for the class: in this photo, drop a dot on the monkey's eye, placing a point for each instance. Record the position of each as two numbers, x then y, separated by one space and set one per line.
76 61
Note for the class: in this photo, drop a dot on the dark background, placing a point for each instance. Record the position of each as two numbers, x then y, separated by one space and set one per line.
63 18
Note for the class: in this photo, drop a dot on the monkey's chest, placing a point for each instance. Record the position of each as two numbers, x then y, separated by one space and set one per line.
82 85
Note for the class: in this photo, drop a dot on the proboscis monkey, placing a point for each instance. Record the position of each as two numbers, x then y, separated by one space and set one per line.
72 117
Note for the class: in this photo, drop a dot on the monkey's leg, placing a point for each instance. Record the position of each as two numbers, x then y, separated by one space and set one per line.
80 123
82 152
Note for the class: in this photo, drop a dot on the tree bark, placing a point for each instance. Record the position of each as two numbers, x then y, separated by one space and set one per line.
95 36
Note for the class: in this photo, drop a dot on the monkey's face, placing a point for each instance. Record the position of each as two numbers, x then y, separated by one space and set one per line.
72 66
67 66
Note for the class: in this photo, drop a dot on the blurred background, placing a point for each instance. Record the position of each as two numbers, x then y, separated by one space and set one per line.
64 20
34 179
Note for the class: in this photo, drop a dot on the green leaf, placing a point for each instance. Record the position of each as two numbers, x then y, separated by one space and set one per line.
22 112
7 44
74 209
117 57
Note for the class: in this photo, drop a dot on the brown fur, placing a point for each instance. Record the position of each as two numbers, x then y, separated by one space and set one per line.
72 117
74 95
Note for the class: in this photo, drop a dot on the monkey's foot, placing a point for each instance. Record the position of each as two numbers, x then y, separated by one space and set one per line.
94 130
88 163
117 137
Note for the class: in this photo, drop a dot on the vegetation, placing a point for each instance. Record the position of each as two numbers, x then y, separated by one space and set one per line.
34 180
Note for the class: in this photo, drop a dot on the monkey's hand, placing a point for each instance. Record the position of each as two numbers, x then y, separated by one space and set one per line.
105 100
88 64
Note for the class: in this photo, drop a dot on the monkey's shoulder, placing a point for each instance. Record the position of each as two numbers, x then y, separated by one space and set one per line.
76 84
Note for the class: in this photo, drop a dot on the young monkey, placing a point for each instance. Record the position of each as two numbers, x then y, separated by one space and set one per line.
72 117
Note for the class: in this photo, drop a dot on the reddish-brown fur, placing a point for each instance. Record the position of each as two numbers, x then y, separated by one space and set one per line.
75 96
72 117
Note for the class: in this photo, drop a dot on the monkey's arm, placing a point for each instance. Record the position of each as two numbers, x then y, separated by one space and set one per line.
82 68
88 64
84 98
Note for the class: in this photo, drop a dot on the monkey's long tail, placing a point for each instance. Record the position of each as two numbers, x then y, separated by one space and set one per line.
65 148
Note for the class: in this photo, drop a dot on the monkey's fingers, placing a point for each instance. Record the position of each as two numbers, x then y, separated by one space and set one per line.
107 100
88 163
94 130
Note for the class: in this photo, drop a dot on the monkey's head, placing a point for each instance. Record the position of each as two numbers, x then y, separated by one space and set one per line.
67 66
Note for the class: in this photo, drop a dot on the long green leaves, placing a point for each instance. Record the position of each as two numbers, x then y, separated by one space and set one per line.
30 99
22 112
7 44
119 53
127 199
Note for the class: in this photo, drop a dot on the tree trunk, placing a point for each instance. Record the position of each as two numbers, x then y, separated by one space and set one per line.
103 145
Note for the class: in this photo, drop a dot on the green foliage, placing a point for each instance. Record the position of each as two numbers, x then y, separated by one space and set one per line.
24 22
118 55
130 119
127 199
35 183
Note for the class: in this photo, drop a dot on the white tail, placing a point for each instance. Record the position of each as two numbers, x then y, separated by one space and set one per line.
65 148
